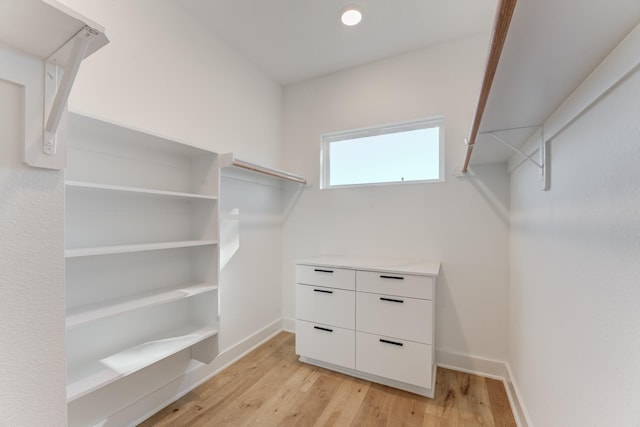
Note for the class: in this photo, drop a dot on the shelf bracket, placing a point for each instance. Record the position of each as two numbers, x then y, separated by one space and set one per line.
543 165
61 92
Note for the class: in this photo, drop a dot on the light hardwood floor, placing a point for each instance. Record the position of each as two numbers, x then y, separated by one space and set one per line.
270 387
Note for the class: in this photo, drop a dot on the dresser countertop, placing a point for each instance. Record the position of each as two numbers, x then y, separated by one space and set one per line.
387 265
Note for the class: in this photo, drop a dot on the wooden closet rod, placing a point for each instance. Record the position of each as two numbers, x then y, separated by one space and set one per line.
268 171
498 37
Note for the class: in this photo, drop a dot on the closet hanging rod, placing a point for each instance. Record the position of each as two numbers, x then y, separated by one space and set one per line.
231 161
498 37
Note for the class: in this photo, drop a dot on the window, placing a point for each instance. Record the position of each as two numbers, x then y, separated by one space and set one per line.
399 153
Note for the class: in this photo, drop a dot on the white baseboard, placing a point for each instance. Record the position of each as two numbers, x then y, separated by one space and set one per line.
289 324
195 376
491 369
471 364
515 400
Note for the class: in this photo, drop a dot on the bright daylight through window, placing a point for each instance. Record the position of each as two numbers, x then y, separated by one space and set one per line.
399 153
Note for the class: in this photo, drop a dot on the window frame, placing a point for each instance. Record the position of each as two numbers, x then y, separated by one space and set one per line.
426 123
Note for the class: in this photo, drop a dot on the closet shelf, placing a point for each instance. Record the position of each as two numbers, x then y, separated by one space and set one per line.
89 377
88 313
43 27
535 93
228 160
120 249
61 37
137 190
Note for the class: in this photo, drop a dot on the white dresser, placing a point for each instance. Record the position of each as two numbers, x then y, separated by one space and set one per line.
370 318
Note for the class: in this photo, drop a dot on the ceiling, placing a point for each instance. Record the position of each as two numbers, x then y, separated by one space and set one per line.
296 40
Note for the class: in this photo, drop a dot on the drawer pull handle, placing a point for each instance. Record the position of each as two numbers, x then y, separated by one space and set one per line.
391 300
323 291
320 270
383 276
325 329
399 344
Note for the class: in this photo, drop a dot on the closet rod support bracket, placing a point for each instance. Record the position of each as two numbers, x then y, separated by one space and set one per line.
544 166
56 95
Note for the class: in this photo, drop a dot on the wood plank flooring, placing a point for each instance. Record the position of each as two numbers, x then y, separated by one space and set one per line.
270 387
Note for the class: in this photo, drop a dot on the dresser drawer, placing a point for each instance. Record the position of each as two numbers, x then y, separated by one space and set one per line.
340 278
326 305
399 360
405 285
326 343
401 317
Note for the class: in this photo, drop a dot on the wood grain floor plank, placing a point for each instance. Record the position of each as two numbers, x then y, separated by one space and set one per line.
342 409
270 387
499 403
375 407
224 388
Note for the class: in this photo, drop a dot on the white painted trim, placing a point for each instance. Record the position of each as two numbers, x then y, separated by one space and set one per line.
197 375
618 65
391 128
518 408
488 368
471 364
289 324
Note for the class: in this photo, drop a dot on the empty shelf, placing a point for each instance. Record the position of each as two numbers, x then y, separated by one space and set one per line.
84 379
119 249
88 313
143 191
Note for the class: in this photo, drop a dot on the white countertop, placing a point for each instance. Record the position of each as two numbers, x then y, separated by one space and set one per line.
387 265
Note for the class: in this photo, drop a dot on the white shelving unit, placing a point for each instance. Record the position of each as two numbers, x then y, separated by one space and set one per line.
141 239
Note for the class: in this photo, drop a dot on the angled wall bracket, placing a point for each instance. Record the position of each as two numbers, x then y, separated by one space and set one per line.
56 95
544 165
42 43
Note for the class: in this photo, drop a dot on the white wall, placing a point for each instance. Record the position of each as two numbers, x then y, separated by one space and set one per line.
574 339
252 277
163 71
462 222
32 358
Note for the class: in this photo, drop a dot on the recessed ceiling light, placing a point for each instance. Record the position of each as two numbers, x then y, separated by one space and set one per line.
351 15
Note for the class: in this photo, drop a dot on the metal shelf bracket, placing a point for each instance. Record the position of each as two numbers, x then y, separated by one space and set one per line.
545 156
56 96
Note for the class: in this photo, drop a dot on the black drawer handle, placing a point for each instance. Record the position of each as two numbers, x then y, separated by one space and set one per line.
382 276
325 329
399 344
391 300
323 291
320 270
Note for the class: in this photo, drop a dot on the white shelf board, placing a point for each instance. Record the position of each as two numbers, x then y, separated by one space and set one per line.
91 376
88 313
120 249
147 191
42 27
538 70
